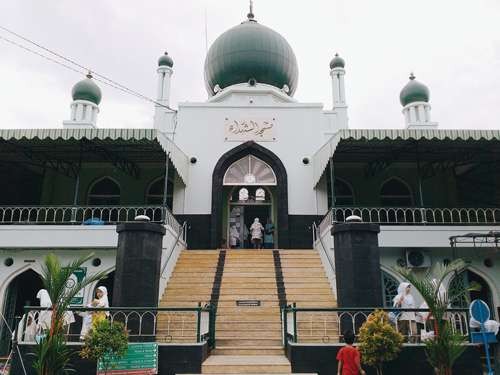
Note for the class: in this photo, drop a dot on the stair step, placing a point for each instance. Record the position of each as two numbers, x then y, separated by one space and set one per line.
249 364
248 350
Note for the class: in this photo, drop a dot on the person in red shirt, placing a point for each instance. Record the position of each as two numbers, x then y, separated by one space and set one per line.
349 358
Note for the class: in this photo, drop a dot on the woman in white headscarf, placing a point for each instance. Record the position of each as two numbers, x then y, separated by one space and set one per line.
406 320
256 230
101 301
44 316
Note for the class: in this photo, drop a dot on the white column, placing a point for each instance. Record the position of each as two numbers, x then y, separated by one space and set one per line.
338 96
163 97
83 115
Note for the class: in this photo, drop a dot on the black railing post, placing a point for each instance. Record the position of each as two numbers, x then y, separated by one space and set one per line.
198 323
294 313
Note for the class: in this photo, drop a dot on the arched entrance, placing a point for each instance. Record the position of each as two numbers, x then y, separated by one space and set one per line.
21 292
464 280
252 167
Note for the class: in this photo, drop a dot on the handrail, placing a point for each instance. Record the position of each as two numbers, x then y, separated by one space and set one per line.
162 324
181 232
327 324
318 236
418 215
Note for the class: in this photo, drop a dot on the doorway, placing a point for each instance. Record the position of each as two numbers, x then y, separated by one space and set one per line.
246 203
464 280
21 292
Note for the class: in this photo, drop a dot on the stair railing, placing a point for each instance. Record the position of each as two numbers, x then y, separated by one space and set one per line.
181 233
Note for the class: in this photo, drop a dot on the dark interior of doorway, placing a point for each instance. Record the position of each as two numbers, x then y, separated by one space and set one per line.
21 292
483 294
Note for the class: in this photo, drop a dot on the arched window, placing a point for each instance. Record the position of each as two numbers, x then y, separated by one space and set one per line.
395 193
243 195
249 171
260 195
389 289
104 192
154 193
463 281
343 193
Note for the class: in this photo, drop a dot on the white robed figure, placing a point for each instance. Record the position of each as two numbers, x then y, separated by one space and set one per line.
101 301
44 316
404 300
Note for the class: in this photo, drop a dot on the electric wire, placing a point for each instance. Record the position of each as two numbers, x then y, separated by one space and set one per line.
103 79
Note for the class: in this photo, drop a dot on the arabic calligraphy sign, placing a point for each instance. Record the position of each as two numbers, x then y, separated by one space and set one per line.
249 129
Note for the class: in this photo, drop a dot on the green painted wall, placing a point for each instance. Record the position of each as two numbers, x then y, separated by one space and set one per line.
438 191
59 190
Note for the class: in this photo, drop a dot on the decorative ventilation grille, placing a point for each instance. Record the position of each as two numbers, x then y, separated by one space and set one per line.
249 171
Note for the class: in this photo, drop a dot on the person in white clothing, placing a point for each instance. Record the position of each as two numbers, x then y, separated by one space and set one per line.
256 230
406 321
44 316
100 301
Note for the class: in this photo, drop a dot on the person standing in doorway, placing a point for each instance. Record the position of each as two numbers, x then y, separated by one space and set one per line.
256 230
269 234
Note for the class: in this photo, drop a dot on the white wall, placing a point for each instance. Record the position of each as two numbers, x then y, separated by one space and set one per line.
299 131
29 244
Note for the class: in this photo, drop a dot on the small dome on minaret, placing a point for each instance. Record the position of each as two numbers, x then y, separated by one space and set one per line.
414 91
166 60
337 62
86 89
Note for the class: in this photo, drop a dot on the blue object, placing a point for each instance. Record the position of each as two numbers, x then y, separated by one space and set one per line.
480 311
479 337
93 221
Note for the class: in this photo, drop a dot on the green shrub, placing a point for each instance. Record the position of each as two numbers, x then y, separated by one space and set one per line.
379 342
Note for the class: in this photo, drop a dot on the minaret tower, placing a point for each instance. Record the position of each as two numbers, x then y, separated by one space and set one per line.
414 98
85 106
337 72
165 71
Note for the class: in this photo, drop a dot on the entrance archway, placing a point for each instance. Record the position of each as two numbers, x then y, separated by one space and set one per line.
21 292
259 176
464 280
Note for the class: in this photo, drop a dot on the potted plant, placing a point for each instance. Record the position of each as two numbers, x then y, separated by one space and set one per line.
446 346
379 342
105 343
52 355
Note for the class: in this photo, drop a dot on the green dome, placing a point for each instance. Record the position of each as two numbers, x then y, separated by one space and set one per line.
247 51
86 89
337 62
414 91
165 60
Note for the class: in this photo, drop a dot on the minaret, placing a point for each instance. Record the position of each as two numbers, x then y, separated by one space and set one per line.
85 106
165 71
337 72
414 98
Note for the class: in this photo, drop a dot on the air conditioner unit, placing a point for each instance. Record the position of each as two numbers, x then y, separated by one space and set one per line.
416 258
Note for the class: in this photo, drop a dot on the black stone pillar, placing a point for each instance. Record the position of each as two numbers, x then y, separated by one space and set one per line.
137 274
357 267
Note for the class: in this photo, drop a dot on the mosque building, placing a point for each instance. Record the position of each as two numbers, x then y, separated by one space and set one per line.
207 170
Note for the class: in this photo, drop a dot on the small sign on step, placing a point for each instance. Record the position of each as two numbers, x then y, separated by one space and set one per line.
248 303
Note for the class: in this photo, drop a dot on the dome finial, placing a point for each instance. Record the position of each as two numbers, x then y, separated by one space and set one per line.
250 14
412 76
89 74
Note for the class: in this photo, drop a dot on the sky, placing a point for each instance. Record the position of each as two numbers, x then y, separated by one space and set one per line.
453 46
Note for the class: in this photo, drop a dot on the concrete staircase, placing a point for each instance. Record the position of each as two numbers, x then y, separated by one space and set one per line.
249 338
190 283
307 285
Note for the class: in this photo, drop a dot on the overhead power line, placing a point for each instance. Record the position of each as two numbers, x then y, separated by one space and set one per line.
101 78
